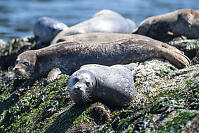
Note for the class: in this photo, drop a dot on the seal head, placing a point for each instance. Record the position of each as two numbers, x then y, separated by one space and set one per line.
25 64
81 85
45 29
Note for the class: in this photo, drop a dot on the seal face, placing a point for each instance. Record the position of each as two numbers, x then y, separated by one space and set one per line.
112 85
68 57
25 64
184 22
104 21
81 84
45 29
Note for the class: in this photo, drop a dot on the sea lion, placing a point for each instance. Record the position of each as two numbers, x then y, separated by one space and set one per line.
68 57
112 85
184 22
45 29
104 21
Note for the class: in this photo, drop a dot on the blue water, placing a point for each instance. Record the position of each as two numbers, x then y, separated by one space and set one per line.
17 17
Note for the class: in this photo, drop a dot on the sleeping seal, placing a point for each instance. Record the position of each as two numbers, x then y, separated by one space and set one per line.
67 57
45 29
112 85
104 21
184 22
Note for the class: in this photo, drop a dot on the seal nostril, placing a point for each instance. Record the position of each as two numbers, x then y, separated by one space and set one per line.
77 89
14 69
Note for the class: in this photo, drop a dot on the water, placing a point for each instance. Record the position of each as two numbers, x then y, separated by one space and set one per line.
17 17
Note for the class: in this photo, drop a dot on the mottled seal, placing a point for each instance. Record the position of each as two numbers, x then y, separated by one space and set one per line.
68 57
112 85
104 21
167 26
45 29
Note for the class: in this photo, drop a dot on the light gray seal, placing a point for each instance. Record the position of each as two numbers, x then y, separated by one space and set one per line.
183 22
67 57
45 29
104 21
112 85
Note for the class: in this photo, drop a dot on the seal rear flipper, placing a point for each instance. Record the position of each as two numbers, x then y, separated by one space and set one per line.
178 59
53 74
132 67
172 48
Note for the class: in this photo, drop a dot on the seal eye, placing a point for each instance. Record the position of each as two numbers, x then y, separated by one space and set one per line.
76 79
16 62
88 84
26 63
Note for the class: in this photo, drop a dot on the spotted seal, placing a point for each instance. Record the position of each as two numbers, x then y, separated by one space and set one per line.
167 26
112 85
67 57
104 21
46 28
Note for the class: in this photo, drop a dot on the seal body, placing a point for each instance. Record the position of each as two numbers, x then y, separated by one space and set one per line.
45 29
184 22
70 56
112 85
105 21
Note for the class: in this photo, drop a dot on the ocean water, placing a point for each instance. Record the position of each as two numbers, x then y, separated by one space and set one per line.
17 17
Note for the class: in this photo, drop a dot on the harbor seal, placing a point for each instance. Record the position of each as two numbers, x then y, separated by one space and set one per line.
104 21
67 57
45 29
112 85
184 22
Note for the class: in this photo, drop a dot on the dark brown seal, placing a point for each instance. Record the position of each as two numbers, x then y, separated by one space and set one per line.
167 26
112 85
68 57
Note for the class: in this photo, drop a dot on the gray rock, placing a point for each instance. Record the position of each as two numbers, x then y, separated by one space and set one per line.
155 75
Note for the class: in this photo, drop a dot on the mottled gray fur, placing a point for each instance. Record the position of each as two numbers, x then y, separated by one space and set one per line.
112 85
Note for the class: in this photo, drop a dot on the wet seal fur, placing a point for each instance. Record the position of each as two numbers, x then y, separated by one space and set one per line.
67 57
183 22
112 85
104 21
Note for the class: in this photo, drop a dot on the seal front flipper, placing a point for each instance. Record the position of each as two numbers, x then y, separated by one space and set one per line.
53 74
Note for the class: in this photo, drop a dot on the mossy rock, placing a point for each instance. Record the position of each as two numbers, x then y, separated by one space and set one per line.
167 100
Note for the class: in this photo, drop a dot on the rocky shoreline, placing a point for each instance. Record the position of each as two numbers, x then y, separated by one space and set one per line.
167 99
